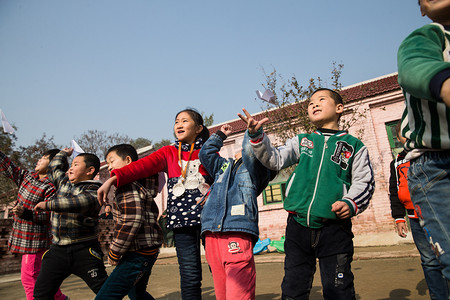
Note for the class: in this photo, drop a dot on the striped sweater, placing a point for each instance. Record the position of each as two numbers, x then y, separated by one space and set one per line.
423 64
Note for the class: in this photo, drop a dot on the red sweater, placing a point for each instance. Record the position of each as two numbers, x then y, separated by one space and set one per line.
181 210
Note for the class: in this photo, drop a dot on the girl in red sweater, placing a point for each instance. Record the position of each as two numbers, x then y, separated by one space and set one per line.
187 182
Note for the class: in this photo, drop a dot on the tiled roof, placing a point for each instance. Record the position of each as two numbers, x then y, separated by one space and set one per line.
358 91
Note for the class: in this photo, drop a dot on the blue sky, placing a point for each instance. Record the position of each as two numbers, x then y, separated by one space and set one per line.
128 67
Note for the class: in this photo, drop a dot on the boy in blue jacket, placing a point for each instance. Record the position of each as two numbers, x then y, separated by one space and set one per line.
230 216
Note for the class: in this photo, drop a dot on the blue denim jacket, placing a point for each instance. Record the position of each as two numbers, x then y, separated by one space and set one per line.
232 202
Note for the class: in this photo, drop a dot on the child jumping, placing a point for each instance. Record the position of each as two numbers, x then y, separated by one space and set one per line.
137 236
187 182
75 248
230 216
30 234
332 182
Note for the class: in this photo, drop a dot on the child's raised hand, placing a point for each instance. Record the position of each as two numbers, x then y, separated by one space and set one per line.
226 129
252 125
69 151
341 209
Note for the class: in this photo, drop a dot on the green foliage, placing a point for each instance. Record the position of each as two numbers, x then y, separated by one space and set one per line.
162 143
208 120
140 143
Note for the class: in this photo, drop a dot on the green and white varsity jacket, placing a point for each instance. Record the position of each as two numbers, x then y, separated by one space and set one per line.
424 61
331 167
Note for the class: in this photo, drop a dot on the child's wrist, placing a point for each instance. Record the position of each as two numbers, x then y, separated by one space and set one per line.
222 135
256 133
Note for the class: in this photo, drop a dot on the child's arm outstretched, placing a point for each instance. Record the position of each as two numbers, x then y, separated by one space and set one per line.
209 156
271 157
142 168
84 202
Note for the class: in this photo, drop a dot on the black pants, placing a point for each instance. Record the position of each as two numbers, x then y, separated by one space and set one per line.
59 262
332 245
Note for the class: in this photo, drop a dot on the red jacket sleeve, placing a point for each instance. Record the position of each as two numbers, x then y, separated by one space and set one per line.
143 168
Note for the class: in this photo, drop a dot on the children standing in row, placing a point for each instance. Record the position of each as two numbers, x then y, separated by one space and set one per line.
137 236
332 182
75 209
30 235
230 216
187 182
424 75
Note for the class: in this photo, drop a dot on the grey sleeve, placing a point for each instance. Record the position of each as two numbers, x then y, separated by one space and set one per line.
363 182
276 158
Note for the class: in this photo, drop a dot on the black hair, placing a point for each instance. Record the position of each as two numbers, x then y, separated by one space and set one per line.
198 120
91 160
107 204
124 150
51 153
335 95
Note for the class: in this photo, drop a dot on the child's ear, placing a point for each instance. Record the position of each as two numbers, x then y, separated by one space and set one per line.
90 171
199 129
339 108
128 160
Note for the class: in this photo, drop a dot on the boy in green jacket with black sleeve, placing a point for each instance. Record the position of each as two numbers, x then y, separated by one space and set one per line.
332 182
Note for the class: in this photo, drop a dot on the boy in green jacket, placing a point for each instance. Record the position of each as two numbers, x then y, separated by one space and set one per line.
332 182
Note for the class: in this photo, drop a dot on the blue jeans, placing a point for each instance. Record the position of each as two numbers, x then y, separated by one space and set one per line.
437 284
187 243
130 277
429 186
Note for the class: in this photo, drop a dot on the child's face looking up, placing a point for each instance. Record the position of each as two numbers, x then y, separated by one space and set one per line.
323 111
437 10
185 128
114 161
78 171
42 164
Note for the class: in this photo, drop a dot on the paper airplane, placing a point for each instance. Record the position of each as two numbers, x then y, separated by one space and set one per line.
76 148
7 128
268 96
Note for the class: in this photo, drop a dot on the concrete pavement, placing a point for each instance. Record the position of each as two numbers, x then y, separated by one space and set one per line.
382 272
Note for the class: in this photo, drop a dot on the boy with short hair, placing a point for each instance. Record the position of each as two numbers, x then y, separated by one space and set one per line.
137 236
30 234
230 216
332 182
401 202
75 209
424 75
